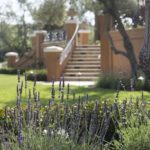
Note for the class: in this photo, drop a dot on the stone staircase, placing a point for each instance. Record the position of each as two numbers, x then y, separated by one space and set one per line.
84 64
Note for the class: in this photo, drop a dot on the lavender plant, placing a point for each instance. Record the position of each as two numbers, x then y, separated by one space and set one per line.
83 124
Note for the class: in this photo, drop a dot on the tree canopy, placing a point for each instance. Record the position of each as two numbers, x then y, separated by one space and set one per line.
14 28
50 14
113 9
124 7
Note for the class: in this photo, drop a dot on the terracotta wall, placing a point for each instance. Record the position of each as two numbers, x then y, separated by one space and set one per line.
70 27
120 64
39 46
33 41
104 25
84 36
52 54
109 61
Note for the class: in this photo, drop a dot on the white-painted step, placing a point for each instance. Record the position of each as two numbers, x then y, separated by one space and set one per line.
84 64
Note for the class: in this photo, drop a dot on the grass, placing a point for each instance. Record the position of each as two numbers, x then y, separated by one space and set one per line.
78 126
8 92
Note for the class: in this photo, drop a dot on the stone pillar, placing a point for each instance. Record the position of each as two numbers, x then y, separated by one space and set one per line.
84 36
11 58
106 53
40 35
33 42
70 28
52 55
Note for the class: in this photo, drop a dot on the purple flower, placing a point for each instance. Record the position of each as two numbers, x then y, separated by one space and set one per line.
68 91
18 72
25 78
20 139
63 82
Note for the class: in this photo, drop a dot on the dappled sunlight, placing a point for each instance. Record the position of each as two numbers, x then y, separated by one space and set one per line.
8 92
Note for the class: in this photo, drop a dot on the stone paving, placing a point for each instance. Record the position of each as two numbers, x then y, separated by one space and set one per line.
2 64
74 83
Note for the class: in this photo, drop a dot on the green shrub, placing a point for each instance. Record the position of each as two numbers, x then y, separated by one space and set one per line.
147 85
135 138
40 141
41 75
78 126
83 125
109 81
10 71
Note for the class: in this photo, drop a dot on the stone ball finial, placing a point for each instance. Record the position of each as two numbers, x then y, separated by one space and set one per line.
11 54
72 13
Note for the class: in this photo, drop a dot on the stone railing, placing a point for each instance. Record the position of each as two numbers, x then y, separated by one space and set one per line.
56 57
55 35
70 46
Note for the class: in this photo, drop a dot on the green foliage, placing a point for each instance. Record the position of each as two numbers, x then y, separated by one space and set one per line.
86 5
41 75
50 14
14 28
137 137
85 124
89 125
126 7
8 92
10 71
108 81
112 81
2 55
136 132
147 85
8 37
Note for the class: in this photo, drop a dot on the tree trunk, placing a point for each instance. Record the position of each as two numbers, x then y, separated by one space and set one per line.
129 49
111 9
145 51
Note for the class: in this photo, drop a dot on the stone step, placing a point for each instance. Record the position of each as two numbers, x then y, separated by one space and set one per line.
85 66
83 62
85 52
83 70
67 78
86 55
84 59
85 74
88 45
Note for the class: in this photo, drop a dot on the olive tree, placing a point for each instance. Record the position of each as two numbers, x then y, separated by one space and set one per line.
50 14
111 7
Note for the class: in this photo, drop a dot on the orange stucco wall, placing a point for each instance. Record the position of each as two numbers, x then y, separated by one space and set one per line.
83 37
52 58
11 61
120 64
109 61
53 66
39 48
105 24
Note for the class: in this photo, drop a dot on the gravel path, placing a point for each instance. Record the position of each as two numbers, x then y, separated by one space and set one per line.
75 83
2 64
